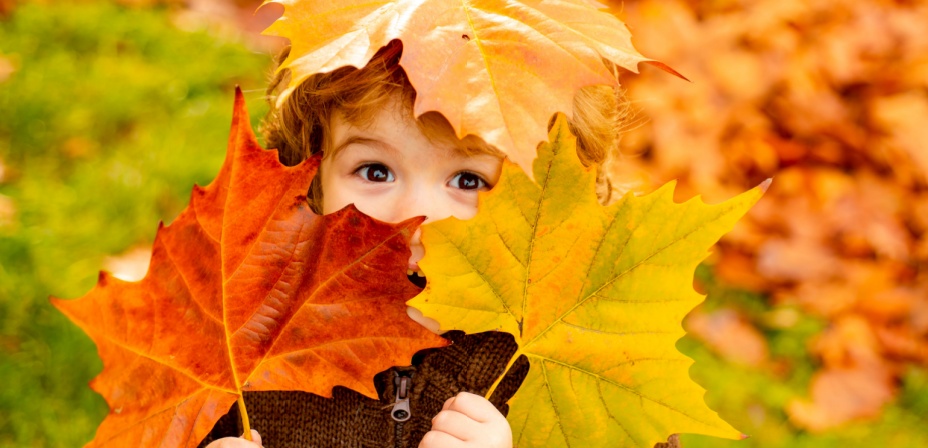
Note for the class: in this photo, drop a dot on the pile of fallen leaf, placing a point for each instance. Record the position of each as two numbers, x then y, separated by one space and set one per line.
830 99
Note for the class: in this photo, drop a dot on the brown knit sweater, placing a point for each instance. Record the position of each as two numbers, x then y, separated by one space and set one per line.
298 419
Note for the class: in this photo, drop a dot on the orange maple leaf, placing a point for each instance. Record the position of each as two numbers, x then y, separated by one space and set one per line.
496 69
248 289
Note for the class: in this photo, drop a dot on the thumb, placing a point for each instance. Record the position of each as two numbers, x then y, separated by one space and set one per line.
256 438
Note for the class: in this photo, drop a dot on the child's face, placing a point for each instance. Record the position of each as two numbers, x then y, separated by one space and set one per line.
391 171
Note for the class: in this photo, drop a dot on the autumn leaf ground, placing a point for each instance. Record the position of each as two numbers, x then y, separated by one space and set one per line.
109 117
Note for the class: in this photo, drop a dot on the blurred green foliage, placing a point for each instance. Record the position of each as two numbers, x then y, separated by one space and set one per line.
110 117
113 114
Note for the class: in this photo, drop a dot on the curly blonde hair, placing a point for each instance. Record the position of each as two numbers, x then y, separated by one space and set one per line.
299 127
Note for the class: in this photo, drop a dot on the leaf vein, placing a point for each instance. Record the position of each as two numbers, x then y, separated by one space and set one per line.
602 399
615 333
161 362
148 417
187 283
322 286
312 349
623 387
534 236
489 284
557 414
608 282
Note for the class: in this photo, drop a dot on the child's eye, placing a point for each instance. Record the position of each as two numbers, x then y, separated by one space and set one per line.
466 180
375 172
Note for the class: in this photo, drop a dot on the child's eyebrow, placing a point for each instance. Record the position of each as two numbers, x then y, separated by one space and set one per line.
370 142
465 153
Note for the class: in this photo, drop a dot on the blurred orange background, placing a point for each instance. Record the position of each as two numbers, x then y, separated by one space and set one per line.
815 330
830 99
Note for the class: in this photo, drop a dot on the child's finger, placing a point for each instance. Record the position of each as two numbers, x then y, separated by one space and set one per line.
256 438
473 406
237 442
456 424
438 439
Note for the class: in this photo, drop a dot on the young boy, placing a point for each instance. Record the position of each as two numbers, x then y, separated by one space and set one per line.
392 167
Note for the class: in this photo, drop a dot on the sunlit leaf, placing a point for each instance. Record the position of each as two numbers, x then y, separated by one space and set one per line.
496 69
594 296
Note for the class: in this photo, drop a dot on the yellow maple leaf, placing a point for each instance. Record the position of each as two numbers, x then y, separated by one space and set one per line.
497 69
593 295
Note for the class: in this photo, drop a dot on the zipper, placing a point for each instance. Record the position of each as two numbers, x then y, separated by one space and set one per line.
400 413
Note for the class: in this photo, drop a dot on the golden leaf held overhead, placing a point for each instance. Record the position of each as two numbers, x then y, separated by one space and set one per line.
248 289
494 68
594 296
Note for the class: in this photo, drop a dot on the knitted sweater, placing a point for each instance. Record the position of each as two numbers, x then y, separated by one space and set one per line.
298 419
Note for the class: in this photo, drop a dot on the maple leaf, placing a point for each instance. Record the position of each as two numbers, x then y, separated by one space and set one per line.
497 69
594 296
248 290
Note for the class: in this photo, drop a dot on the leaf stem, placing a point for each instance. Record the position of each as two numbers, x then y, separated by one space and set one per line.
512 361
244 414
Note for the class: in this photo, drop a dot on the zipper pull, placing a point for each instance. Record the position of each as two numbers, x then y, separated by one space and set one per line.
400 411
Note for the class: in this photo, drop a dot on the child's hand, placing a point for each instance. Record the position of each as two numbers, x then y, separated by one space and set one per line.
468 420
232 442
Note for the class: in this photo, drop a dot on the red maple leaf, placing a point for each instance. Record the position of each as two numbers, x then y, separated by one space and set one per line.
248 289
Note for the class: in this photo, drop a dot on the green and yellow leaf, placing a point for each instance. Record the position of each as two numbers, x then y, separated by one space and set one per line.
593 295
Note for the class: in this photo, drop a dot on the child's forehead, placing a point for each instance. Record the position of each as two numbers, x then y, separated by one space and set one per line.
361 143
392 125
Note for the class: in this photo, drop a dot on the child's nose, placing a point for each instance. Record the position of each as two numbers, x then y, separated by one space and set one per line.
420 202
415 246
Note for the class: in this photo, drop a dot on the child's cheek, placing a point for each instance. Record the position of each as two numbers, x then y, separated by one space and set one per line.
463 203
374 200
